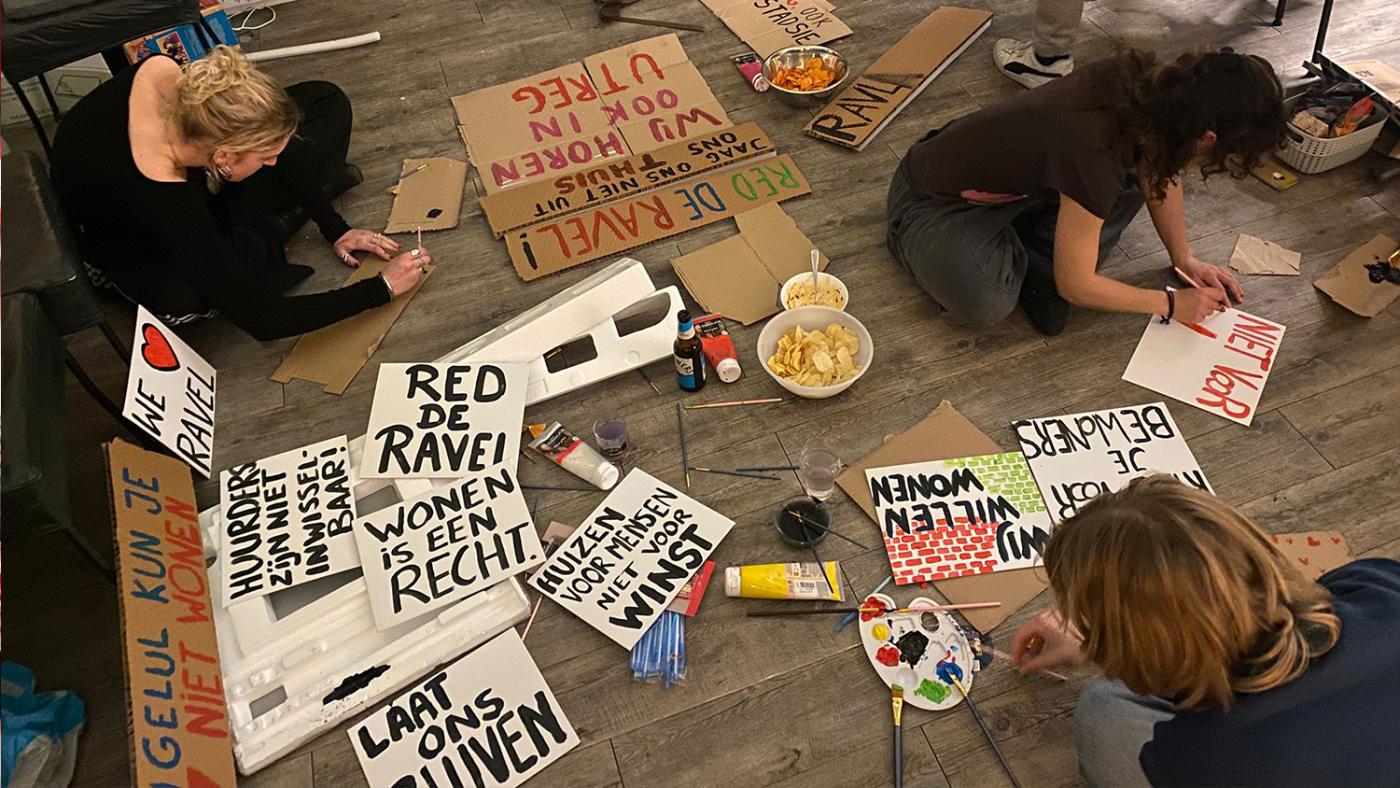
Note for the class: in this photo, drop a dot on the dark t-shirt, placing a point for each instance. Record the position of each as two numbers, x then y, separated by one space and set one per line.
1060 138
1335 725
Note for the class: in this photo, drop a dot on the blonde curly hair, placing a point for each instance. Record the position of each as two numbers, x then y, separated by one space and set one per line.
226 102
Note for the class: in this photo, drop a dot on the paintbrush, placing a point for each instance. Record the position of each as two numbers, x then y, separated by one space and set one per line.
806 522
921 609
685 458
394 189
851 617
734 403
897 706
761 468
986 733
647 378
557 487
999 654
737 473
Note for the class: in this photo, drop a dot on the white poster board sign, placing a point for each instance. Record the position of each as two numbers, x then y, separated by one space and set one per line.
170 392
443 421
286 519
488 719
1074 458
968 516
446 544
631 556
1219 365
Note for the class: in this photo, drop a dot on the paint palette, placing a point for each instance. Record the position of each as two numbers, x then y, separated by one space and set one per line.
930 644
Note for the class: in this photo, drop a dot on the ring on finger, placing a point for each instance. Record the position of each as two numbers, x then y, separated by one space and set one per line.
416 253
379 236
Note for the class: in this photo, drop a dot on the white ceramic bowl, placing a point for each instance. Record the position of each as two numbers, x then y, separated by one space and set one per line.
823 280
813 318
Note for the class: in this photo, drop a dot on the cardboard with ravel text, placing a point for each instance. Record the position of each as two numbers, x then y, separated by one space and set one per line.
769 25
538 201
1219 365
1349 282
170 392
488 720
867 104
612 228
429 198
1258 256
178 716
947 434
1314 553
741 276
334 355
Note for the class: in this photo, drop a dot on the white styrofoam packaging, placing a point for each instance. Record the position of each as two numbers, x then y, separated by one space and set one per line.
68 83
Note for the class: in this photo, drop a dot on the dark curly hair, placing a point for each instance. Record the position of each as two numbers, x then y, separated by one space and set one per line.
1165 109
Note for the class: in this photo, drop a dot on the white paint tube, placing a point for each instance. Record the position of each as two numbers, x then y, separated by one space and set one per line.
311 49
573 455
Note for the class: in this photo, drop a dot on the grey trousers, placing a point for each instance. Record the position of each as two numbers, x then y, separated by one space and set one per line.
1111 726
1056 22
973 258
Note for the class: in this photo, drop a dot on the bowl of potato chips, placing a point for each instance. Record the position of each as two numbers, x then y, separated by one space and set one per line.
804 76
815 351
831 292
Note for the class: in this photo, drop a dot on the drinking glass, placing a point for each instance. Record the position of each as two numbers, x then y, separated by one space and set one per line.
612 439
817 469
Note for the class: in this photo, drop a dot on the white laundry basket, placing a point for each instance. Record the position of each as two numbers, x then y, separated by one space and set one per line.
1309 155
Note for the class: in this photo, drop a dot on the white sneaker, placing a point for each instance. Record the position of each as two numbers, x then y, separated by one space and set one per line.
1016 59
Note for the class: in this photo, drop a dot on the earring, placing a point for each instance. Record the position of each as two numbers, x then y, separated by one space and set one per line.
224 172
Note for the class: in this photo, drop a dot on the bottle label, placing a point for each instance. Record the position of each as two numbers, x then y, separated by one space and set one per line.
685 371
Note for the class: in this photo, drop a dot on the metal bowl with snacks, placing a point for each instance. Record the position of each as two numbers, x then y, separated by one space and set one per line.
797 57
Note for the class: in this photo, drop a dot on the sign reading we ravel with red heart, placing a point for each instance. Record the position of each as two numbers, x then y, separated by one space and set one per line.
170 392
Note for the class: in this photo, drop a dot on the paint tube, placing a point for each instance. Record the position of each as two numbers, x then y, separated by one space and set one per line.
573 455
718 347
783 581
751 66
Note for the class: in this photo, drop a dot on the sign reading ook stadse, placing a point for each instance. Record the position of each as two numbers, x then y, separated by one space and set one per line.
443 421
631 556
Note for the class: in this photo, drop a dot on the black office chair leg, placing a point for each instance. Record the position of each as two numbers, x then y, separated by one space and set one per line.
115 341
88 549
206 32
48 94
1278 12
107 404
34 119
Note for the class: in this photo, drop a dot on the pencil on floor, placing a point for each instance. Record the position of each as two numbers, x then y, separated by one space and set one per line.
685 457
735 403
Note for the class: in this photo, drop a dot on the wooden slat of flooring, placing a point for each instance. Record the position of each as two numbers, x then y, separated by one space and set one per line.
1351 422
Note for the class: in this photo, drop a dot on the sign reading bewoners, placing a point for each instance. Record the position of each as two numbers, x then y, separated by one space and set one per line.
488 719
631 556
286 519
444 421
1077 457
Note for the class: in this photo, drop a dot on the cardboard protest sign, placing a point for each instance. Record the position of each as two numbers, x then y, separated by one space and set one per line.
286 519
615 227
1314 553
488 719
1379 75
742 275
1258 256
769 25
178 718
1349 283
444 545
538 201
443 421
1220 365
1076 457
863 108
428 196
629 558
170 392
334 355
967 516
946 434
629 100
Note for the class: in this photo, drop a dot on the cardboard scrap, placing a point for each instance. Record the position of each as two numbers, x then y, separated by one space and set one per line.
769 25
632 99
611 228
534 202
429 198
1314 553
741 276
1349 282
1379 75
178 717
867 104
943 435
1254 255
334 355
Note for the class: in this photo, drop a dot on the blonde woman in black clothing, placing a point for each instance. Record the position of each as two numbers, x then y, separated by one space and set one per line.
186 183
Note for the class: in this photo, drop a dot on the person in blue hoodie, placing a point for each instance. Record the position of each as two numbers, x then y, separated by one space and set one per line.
1223 663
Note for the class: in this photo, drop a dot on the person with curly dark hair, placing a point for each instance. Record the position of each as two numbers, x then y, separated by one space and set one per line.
1021 201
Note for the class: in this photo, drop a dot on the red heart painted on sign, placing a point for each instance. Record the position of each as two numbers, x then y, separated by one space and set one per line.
1336 540
1313 542
1289 540
1304 561
157 351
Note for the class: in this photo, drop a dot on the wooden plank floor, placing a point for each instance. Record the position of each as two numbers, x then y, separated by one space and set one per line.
788 701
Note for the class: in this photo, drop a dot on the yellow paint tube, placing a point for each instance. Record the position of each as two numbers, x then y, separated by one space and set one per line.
784 581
